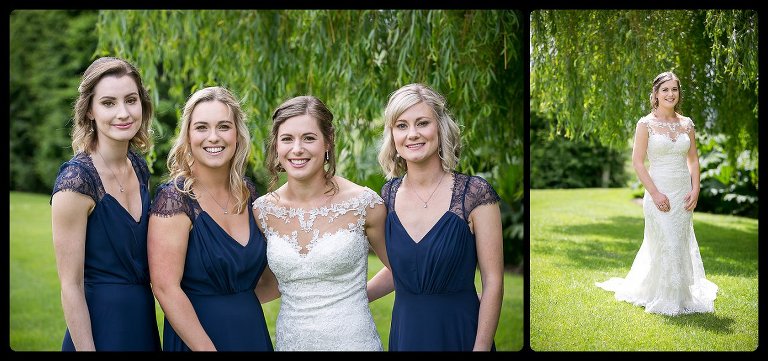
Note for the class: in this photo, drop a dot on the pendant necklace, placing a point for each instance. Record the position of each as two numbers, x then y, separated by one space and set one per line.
225 208
113 172
433 192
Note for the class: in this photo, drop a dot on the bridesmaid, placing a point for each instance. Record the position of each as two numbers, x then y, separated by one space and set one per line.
440 226
99 208
206 253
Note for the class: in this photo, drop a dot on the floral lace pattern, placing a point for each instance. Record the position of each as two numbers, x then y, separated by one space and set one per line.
320 259
671 130
667 276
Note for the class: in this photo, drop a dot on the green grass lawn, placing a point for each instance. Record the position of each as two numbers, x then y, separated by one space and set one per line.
579 237
37 322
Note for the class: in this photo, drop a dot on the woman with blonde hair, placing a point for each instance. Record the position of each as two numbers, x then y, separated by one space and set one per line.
440 226
206 253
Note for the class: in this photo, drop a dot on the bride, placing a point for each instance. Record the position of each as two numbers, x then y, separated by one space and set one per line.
667 275
319 228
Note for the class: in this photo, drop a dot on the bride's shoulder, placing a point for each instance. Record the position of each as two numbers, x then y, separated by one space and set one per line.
270 198
349 190
646 119
686 121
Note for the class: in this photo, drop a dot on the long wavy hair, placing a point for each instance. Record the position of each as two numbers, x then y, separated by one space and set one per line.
448 131
661 78
180 158
295 107
84 134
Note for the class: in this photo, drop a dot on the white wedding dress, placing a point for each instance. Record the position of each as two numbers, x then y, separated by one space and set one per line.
667 275
320 260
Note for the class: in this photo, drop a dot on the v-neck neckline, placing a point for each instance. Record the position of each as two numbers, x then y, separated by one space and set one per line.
439 219
104 190
431 229
251 224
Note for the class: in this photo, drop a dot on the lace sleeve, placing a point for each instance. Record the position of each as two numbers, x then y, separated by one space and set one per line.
385 192
141 167
689 124
644 122
74 177
372 198
251 189
169 202
478 192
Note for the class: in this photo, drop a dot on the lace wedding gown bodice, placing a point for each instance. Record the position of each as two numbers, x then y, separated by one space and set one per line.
667 276
320 259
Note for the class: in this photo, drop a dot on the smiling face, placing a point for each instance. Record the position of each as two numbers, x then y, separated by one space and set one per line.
212 134
301 147
415 134
116 108
668 94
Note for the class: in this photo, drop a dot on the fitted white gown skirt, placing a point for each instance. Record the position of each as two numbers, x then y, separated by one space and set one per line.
667 275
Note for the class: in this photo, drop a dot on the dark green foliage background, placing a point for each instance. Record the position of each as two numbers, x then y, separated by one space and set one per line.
558 162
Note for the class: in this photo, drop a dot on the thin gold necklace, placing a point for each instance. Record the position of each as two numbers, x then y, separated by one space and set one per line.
229 196
122 190
433 192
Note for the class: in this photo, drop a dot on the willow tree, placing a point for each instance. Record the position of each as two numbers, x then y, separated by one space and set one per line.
352 60
592 71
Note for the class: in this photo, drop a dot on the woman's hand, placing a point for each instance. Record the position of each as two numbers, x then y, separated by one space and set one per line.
691 199
661 201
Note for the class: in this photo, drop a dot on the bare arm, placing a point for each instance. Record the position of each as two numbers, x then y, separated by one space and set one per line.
266 289
692 198
167 241
638 162
69 220
381 284
486 220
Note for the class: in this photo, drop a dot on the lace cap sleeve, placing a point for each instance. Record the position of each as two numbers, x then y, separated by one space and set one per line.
371 198
689 123
251 189
73 176
478 192
386 191
169 202
140 165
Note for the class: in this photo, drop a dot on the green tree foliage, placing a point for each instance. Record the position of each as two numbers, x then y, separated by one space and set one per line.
557 162
48 52
353 61
592 71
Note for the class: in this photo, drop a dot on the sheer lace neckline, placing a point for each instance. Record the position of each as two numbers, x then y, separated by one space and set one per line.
655 120
671 130
269 199
300 227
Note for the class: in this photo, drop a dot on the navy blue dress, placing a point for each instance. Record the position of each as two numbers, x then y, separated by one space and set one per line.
220 276
436 306
116 271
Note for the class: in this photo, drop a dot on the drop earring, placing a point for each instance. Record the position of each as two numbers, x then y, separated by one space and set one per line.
327 158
